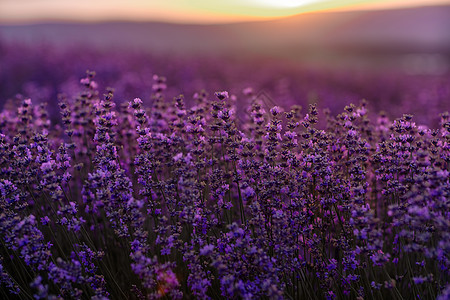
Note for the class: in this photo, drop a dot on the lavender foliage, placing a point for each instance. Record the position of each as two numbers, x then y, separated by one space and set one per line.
201 199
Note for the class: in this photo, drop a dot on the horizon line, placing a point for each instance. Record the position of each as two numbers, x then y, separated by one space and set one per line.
225 21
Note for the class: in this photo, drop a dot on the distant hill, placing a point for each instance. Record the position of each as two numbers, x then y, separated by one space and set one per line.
423 29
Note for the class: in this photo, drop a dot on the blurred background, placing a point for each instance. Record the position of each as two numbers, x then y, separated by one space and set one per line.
395 53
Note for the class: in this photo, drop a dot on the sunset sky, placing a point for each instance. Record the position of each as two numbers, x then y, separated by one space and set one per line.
182 11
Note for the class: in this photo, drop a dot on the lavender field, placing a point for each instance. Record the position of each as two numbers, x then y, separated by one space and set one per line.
159 175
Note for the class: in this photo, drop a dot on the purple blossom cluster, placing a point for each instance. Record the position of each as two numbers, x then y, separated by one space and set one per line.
201 199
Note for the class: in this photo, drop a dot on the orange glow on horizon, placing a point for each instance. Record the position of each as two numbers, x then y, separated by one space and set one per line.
180 11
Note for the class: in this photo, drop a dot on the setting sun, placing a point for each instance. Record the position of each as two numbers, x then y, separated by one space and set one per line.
283 3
